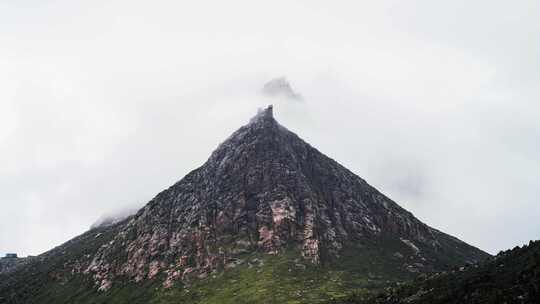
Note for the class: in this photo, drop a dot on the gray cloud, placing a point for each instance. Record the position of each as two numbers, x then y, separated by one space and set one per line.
280 87
104 104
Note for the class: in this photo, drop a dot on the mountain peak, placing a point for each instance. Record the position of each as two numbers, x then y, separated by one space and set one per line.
264 192
266 114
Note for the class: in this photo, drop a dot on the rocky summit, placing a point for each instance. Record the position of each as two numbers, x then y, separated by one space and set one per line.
266 219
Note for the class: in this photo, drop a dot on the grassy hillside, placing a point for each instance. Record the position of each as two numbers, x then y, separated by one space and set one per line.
513 276
256 277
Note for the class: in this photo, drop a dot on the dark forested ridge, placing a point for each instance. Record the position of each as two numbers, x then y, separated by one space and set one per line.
513 276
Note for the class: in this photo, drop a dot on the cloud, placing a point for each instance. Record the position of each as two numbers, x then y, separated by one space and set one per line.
440 115
280 87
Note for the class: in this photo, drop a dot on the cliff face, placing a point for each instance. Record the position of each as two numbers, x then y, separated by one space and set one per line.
263 189
266 207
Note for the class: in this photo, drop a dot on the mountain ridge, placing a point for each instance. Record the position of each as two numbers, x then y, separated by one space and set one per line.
267 196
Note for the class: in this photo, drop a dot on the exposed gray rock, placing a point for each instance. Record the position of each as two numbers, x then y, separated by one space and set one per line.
263 189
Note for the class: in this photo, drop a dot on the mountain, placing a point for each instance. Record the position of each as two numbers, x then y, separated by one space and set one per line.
513 276
266 219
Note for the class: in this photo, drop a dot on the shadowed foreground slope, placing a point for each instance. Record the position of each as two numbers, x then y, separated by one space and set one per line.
513 276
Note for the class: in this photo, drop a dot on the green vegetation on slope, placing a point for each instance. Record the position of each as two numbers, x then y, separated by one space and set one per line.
255 277
35 279
513 276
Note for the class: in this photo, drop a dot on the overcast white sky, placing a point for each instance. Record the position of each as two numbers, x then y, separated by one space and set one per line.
105 103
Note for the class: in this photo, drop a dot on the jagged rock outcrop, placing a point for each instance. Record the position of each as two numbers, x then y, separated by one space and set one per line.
264 189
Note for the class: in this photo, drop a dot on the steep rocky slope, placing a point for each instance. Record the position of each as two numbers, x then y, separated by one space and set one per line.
265 206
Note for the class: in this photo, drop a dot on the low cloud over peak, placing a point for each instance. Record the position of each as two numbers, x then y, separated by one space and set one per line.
280 87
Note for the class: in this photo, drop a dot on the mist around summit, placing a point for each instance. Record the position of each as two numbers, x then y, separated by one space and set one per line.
109 110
